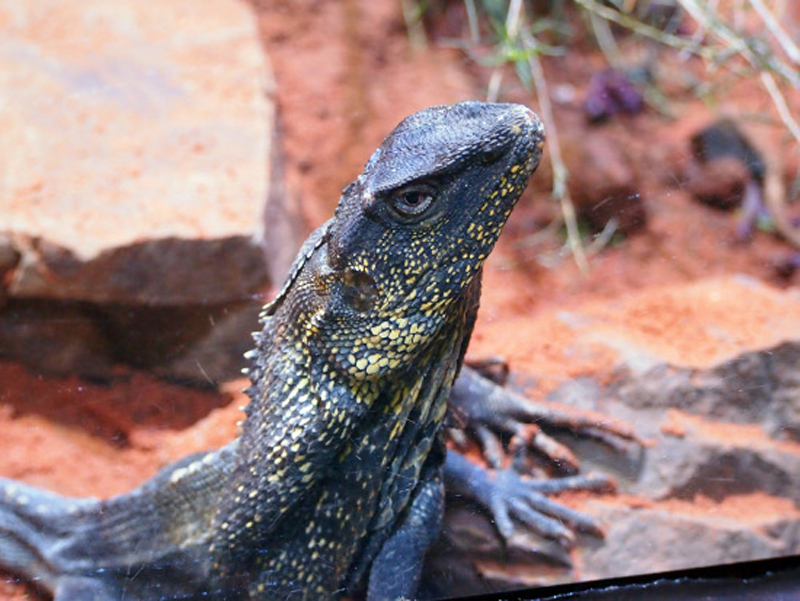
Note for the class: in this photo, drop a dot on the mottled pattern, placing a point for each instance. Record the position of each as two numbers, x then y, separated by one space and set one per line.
337 472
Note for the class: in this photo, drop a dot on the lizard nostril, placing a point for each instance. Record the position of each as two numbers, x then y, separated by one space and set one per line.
489 157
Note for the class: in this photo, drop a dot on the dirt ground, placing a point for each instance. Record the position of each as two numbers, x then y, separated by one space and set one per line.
346 75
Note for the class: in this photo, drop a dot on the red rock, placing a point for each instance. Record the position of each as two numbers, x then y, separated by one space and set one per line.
720 183
136 141
608 186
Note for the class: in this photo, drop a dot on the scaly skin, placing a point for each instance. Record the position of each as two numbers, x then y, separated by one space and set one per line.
335 484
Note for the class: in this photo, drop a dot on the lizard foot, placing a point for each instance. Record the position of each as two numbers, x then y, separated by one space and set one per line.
510 498
505 423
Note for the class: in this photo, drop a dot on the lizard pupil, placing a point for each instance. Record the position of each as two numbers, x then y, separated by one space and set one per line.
413 198
413 201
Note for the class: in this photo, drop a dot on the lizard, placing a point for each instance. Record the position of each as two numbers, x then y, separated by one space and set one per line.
335 484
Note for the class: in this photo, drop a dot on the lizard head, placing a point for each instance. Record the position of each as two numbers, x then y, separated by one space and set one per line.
411 233
440 171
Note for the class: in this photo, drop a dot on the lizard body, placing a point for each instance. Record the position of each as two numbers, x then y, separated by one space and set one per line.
335 484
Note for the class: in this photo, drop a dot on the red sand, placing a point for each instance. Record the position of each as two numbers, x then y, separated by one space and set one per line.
345 76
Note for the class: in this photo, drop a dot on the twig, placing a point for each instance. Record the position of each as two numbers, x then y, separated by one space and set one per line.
603 238
472 21
761 58
706 19
513 18
780 104
412 15
637 26
789 47
605 40
754 59
493 89
560 172
511 27
715 41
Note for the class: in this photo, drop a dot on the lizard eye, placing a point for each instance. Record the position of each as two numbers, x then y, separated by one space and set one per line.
412 201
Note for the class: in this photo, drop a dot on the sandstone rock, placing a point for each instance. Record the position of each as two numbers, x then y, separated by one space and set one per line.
136 150
608 187
717 459
57 338
706 491
194 344
718 481
653 539
469 558
720 183
143 194
760 387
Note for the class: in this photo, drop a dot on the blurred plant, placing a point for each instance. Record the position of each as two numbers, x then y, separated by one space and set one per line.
520 33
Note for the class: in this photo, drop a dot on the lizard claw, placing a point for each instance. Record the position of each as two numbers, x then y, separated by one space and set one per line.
529 437
524 499
511 498
491 445
504 422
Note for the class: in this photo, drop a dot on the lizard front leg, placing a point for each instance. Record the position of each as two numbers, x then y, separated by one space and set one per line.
511 498
503 423
397 570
